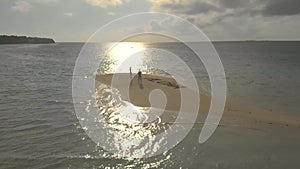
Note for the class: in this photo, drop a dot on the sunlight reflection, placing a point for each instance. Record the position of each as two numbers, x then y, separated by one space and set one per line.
124 124
123 128
124 55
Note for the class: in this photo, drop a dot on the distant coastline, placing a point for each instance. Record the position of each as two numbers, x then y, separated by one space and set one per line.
13 39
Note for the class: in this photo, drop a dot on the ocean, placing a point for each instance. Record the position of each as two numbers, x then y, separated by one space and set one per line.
39 128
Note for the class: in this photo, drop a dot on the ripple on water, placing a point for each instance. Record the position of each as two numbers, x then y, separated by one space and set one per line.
129 131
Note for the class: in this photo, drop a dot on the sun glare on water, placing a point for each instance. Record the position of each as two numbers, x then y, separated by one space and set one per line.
124 55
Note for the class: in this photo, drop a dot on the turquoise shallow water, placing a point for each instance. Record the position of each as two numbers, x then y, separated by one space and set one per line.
39 128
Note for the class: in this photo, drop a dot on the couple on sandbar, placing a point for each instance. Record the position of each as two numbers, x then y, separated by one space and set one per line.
140 81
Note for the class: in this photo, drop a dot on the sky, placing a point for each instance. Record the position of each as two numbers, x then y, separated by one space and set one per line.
77 20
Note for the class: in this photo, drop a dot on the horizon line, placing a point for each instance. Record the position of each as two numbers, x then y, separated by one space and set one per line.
183 42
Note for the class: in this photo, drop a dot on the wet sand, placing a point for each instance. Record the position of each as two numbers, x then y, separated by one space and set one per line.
246 137
233 114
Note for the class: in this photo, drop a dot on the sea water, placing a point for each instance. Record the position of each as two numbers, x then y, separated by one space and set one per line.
39 128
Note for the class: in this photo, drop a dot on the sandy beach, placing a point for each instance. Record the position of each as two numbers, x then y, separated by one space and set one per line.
245 138
233 114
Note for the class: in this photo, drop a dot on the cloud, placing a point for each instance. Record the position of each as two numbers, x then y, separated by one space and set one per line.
105 3
183 6
205 12
42 1
223 7
69 14
200 12
21 6
234 3
282 7
236 19
110 13
26 5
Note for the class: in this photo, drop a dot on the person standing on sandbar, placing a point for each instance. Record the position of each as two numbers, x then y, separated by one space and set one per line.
130 76
140 81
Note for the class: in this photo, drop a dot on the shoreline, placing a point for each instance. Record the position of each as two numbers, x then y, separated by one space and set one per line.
233 114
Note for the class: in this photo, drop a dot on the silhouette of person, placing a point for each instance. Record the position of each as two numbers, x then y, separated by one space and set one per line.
130 76
140 81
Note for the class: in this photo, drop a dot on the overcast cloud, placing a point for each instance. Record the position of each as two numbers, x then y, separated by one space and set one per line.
76 20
